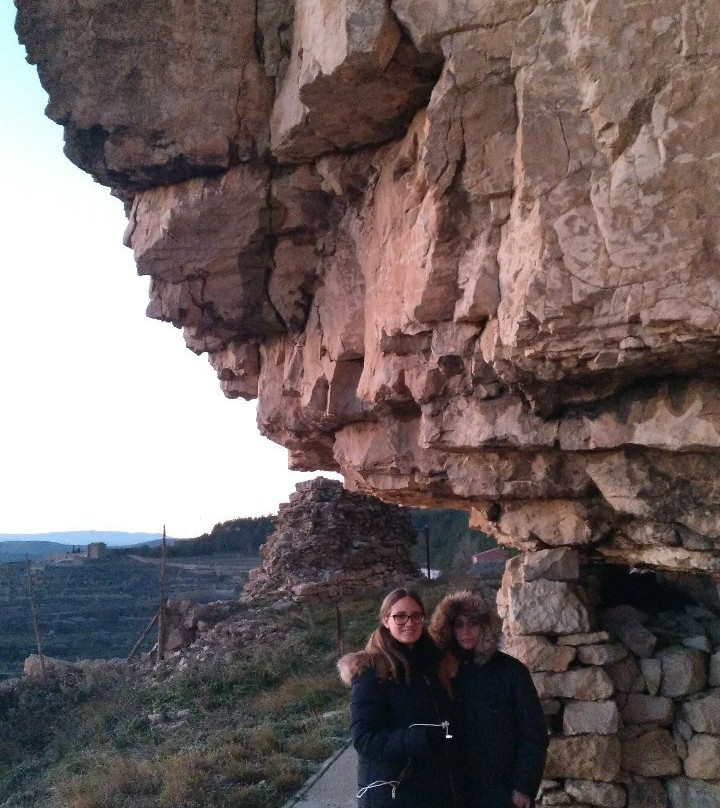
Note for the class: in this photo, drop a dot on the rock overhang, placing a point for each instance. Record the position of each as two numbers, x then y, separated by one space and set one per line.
466 254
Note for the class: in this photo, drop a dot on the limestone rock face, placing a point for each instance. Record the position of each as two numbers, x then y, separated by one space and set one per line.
465 253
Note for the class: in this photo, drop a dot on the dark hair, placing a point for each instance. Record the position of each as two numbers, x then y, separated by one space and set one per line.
388 654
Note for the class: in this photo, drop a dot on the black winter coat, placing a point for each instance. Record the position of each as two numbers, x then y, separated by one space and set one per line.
502 730
415 762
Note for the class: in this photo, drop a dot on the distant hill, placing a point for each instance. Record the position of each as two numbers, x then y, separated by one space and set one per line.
21 550
19 546
243 535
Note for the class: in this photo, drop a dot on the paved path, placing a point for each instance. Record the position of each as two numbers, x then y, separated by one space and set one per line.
334 786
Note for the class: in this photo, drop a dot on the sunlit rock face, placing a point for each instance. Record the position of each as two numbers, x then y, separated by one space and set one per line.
464 252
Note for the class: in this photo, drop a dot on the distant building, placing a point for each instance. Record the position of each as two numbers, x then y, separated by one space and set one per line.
494 555
97 549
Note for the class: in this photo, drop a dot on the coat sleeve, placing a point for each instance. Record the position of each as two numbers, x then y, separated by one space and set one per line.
531 732
374 734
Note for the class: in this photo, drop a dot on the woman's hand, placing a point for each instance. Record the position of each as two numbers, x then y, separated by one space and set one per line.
521 800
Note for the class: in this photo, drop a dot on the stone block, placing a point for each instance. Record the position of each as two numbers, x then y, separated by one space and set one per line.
583 684
557 523
538 653
606 795
592 638
652 671
651 754
583 757
714 674
556 564
626 676
683 729
703 757
698 641
557 797
683 671
604 654
643 709
546 607
638 639
687 793
590 717
703 713
626 623
681 746
643 792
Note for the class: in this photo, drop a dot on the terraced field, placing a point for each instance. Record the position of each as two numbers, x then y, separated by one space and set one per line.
97 609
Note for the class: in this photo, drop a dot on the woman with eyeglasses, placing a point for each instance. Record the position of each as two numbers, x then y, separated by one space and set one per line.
501 727
399 712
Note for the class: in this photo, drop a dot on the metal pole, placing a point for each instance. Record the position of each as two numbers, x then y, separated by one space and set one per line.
35 622
427 549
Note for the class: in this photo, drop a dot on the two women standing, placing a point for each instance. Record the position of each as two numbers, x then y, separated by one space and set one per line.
447 721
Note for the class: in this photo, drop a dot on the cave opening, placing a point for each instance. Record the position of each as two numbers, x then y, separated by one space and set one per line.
644 589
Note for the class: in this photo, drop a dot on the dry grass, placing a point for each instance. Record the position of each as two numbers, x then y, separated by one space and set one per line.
243 730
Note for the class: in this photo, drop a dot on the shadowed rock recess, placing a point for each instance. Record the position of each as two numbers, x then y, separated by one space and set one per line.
464 252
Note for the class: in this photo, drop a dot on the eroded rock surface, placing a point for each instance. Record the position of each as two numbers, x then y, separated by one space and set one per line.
465 253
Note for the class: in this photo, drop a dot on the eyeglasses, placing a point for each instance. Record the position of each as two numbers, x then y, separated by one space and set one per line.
401 618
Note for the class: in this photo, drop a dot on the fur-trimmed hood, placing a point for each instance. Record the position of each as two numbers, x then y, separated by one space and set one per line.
467 603
352 665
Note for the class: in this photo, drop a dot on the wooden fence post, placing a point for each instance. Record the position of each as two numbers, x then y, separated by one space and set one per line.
340 630
161 613
36 626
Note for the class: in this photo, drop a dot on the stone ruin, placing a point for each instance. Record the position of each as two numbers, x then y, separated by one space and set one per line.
186 621
329 542
466 253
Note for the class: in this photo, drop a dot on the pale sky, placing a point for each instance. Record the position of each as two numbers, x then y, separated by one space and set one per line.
107 421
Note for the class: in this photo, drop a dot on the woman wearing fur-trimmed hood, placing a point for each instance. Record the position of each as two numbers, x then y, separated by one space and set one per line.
500 719
399 713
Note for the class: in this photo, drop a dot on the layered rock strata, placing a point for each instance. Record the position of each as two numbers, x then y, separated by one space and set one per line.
329 543
632 698
465 253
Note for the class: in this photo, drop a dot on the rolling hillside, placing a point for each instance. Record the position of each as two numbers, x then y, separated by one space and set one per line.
21 546
99 608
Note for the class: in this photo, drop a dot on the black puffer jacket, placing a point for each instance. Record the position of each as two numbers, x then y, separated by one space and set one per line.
502 730
414 763
500 722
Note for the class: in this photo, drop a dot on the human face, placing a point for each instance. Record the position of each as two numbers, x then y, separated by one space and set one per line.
410 632
467 632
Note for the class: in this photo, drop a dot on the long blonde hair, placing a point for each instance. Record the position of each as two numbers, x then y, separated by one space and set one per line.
388 657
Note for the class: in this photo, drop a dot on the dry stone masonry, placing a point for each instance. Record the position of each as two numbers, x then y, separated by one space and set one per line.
466 253
632 698
329 542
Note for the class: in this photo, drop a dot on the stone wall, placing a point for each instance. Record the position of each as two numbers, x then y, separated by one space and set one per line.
632 698
329 542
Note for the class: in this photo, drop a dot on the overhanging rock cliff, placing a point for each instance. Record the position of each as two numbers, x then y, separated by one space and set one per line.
464 252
